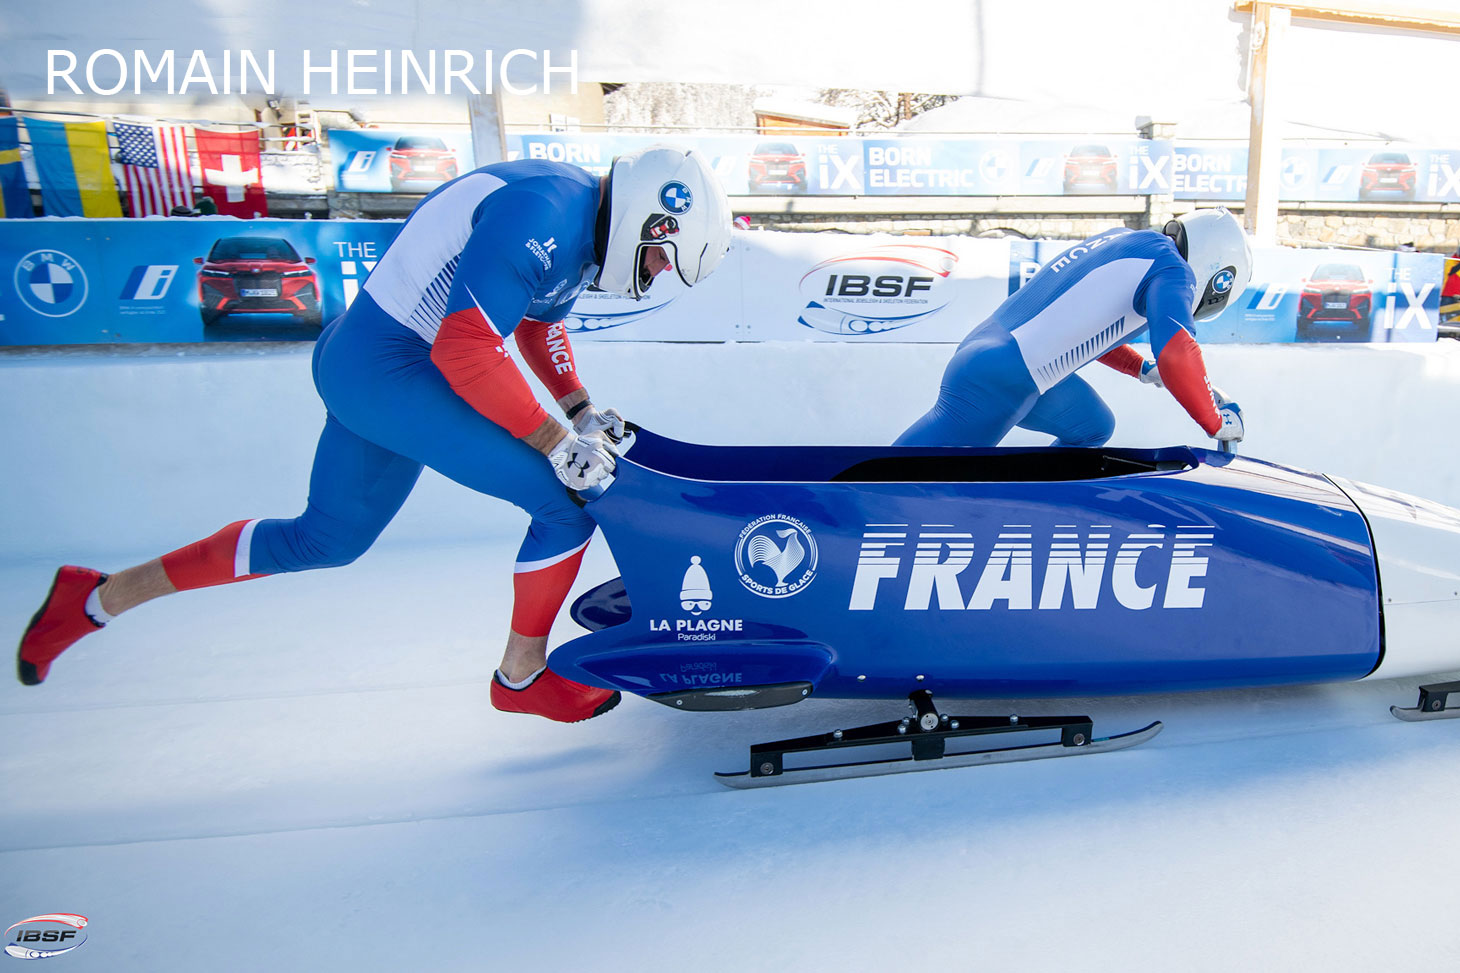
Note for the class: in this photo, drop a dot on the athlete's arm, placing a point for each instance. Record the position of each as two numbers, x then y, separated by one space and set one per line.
1124 359
1178 356
492 288
544 346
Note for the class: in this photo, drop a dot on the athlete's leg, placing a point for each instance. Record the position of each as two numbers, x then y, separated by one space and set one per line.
431 424
355 489
985 390
1073 413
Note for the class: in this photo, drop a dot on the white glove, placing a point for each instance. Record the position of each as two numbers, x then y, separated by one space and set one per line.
581 462
1220 397
1231 415
607 424
1150 375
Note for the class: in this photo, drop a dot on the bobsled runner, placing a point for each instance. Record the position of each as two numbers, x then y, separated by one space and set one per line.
757 576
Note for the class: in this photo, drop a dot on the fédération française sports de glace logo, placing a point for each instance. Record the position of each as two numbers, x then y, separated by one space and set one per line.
41 937
775 556
50 283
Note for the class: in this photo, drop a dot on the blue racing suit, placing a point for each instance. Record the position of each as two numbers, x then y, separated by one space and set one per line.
415 374
1018 366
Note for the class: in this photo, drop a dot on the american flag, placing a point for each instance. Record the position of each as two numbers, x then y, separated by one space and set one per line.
154 162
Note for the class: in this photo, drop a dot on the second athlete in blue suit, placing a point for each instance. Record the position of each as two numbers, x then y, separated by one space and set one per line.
1017 368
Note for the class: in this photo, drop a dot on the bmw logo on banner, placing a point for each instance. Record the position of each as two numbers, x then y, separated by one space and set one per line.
50 283
675 197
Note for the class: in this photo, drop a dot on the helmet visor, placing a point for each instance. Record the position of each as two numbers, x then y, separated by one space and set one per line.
1176 230
658 230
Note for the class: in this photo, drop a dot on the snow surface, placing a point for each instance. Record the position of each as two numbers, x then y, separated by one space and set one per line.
304 773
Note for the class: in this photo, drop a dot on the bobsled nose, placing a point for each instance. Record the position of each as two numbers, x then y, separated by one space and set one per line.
1417 555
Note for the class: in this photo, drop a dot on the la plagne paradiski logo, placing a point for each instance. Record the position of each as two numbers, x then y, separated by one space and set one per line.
775 556
877 289
41 937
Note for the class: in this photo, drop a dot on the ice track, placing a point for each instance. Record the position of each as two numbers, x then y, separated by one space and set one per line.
304 773
271 774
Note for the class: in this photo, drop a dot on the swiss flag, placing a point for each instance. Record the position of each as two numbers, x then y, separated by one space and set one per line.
232 174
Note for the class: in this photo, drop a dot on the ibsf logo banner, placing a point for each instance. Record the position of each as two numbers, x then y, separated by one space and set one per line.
877 289
41 937
598 310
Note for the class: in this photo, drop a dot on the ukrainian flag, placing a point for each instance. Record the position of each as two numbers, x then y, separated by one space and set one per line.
74 164
14 196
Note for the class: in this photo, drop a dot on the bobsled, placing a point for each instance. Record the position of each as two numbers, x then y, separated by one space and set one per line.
758 576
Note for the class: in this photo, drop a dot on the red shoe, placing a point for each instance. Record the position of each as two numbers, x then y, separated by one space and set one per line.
553 696
59 623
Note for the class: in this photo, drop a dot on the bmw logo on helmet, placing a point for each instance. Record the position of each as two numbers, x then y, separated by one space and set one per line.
1222 282
675 197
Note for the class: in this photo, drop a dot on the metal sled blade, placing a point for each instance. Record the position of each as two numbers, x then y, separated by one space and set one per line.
1431 705
1069 746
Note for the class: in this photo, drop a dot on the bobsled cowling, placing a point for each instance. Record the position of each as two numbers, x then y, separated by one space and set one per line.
759 575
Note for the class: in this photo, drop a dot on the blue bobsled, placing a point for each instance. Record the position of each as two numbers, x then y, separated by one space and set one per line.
755 576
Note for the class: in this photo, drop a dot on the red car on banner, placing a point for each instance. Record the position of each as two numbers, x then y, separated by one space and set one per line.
1337 302
1388 173
1090 168
420 159
257 275
777 167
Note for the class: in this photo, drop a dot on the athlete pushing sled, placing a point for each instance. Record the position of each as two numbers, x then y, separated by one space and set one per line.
1018 366
416 374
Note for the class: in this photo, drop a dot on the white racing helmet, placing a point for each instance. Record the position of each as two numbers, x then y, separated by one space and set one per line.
1212 242
661 197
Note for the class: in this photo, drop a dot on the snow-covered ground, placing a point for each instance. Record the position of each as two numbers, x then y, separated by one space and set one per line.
304 773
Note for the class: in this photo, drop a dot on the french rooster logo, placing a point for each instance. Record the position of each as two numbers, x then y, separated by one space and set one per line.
785 546
782 561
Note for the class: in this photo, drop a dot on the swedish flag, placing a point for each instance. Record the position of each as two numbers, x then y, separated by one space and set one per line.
14 196
74 164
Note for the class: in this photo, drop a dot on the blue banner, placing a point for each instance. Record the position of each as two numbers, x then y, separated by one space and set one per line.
73 281
180 279
925 166
415 161
1341 174
894 166
1307 295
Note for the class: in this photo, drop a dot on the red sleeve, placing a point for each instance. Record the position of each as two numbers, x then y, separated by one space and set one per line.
1185 376
1124 358
469 352
546 350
